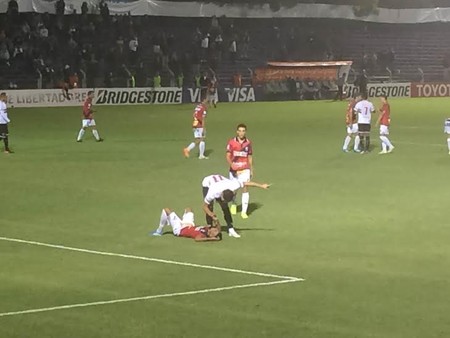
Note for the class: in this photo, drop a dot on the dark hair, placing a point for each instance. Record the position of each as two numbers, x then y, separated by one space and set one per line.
228 195
384 97
2 94
364 96
90 92
241 125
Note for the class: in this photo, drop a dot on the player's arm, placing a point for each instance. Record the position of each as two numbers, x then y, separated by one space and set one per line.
229 158
201 238
209 212
250 163
258 185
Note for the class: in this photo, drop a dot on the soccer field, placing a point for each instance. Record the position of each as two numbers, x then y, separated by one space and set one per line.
369 234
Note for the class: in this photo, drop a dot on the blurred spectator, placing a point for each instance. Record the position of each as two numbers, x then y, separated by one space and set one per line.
237 80
245 45
13 8
204 45
4 55
133 50
73 81
233 50
84 8
60 7
157 80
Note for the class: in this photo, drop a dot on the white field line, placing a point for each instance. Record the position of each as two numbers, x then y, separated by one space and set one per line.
134 299
158 260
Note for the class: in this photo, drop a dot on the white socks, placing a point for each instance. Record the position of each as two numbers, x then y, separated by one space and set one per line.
202 148
95 133
357 140
386 141
346 142
245 200
448 143
384 147
163 221
191 146
80 134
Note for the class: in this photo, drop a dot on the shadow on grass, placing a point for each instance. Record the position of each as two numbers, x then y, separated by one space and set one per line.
252 207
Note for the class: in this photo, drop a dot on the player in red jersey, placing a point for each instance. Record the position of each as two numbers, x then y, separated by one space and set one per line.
240 158
213 97
185 227
199 127
352 126
88 119
384 121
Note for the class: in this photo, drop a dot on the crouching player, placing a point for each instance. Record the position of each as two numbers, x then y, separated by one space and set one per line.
185 227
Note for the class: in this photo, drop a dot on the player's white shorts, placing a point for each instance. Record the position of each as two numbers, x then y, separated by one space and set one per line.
88 123
353 129
178 224
198 132
384 130
241 175
447 130
213 97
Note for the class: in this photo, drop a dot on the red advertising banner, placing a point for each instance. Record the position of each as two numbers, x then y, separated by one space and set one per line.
430 89
279 74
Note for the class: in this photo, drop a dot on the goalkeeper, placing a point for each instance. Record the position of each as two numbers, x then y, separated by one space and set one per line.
185 227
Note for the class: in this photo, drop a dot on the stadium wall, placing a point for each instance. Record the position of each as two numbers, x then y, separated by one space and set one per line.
151 96
200 9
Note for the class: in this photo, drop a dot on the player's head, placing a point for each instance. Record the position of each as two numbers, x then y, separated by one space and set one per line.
384 99
363 96
227 195
3 97
90 94
241 130
205 100
214 232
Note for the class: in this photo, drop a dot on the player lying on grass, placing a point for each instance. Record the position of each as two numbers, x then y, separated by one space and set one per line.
185 227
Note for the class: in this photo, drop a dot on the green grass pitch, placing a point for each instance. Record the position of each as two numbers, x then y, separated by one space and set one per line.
368 233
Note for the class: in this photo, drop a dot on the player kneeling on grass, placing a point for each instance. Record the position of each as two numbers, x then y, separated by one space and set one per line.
88 119
185 227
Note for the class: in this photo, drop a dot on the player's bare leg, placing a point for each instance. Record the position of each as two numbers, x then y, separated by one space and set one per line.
448 144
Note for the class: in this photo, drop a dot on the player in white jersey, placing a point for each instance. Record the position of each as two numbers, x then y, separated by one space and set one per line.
220 189
364 108
4 120
447 131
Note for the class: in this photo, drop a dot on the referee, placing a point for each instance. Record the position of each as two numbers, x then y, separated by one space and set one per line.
4 120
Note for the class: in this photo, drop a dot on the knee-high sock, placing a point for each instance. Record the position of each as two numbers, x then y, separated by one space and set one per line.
367 143
448 144
362 143
386 141
383 146
346 142
191 146
80 134
6 142
227 214
202 148
245 200
163 221
95 133
357 141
